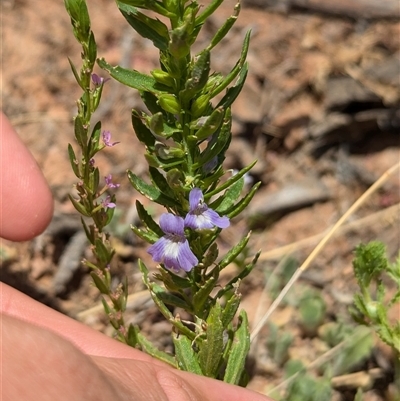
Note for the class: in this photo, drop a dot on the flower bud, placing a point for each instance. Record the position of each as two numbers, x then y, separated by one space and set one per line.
163 78
169 103
200 106
211 125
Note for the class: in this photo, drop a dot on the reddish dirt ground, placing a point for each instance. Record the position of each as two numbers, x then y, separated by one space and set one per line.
319 112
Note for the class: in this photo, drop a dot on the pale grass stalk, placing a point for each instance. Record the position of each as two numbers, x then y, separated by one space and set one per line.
356 205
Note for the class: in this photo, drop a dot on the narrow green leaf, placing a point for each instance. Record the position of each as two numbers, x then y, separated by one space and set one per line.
172 281
76 74
145 26
74 161
235 70
103 254
146 219
234 252
243 203
224 202
243 273
92 49
150 191
153 5
185 356
239 351
233 92
161 306
211 349
230 309
202 294
170 299
80 133
99 283
79 207
133 78
145 235
225 28
149 348
142 132
218 143
208 11
160 182
94 141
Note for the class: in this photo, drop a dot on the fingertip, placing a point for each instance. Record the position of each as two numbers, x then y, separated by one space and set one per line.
26 203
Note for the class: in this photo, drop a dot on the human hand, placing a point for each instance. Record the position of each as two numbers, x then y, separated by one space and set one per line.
49 356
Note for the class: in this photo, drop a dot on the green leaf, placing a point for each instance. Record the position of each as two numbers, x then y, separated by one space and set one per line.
185 356
233 92
211 125
243 203
145 235
153 5
211 349
243 273
234 252
170 299
145 26
103 254
149 348
94 141
74 161
225 28
147 220
76 74
208 11
142 132
79 207
225 201
230 309
81 133
92 49
133 78
161 306
202 295
172 281
239 351
99 283
218 143
235 71
198 76
150 192
160 182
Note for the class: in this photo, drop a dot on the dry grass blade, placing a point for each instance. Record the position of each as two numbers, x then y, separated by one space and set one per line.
356 205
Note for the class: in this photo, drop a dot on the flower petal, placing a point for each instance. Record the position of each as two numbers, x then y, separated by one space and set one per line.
186 258
216 219
172 224
157 250
195 197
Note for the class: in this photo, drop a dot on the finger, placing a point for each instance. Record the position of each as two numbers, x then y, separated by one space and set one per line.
38 364
19 305
119 356
26 204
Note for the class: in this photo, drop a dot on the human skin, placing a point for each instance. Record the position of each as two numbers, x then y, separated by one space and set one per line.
48 356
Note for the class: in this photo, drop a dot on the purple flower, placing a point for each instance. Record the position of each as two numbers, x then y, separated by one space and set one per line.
107 139
200 216
97 80
173 248
106 203
109 182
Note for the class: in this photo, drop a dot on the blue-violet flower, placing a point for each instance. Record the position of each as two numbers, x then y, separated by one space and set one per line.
173 248
200 216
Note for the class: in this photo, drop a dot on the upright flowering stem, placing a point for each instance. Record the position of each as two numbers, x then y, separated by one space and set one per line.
185 137
91 202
